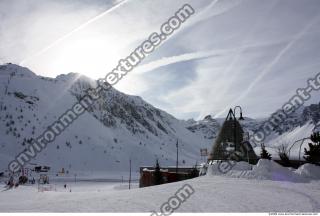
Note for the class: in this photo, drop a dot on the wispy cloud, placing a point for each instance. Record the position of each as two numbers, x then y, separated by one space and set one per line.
162 62
165 61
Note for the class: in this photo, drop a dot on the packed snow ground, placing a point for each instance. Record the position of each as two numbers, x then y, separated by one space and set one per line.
213 193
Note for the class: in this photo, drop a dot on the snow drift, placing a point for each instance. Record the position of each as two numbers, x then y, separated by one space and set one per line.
266 170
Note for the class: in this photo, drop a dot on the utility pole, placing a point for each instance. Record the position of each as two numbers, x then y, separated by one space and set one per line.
177 163
130 175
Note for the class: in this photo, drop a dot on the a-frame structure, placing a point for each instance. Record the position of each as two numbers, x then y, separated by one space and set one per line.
230 143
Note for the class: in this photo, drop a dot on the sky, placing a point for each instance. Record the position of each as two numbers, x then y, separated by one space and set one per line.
250 53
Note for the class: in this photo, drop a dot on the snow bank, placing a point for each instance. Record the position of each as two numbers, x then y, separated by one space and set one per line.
213 169
221 168
310 171
270 170
241 165
265 170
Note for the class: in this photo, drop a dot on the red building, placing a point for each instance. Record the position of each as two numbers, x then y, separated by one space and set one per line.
168 175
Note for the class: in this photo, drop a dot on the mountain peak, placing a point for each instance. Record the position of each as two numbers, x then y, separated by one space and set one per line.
15 70
208 118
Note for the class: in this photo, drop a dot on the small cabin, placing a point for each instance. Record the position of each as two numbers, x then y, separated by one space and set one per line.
169 174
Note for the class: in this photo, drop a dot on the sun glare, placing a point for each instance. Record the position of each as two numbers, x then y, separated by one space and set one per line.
91 56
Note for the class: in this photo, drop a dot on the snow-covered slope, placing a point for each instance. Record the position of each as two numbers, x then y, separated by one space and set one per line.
118 127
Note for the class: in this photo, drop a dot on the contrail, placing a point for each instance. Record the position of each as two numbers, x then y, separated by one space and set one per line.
73 31
195 56
269 66
229 71
202 15
206 13
176 59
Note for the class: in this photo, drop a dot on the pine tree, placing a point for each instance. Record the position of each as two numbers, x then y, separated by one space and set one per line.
264 153
158 175
283 154
313 154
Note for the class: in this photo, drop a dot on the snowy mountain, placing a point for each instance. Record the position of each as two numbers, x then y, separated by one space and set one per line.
208 127
300 124
116 128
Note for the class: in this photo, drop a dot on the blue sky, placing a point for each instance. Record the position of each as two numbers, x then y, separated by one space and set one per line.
231 52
